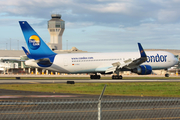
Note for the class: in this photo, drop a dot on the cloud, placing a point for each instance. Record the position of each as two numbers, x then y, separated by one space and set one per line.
78 24
33 8
106 22
105 39
98 12
167 16
111 8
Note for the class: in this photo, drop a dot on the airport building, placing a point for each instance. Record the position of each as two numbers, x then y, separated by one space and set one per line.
12 60
56 27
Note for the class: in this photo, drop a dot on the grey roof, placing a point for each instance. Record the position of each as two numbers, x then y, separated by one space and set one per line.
18 53
11 53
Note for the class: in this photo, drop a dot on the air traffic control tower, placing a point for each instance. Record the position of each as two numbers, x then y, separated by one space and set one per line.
56 28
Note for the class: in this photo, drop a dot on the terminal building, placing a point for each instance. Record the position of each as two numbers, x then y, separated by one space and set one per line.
10 63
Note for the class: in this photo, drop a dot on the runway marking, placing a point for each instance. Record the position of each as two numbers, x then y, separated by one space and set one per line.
34 82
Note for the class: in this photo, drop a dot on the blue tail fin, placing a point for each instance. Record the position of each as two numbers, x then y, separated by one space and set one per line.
37 47
142 52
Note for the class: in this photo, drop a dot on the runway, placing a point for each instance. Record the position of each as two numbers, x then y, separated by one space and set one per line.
33 81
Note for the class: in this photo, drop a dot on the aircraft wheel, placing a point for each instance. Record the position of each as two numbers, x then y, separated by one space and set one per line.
95 77
166 75
117 77
120 77
92 76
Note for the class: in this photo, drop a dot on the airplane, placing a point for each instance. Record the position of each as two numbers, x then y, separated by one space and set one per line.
142 63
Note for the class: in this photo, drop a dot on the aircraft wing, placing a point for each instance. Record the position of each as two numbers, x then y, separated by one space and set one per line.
135 63
129 64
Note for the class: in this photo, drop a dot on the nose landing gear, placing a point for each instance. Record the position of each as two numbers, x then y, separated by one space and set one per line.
167 74
117 77
95 76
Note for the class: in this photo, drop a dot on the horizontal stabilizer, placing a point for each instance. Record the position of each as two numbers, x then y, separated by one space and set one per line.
27 53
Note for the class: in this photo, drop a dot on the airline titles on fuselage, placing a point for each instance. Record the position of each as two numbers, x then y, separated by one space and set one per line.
80 58
157 58
151 58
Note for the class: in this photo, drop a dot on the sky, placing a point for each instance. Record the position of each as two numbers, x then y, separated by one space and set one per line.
95 25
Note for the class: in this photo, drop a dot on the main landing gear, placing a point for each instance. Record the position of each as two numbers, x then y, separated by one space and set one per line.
95 76
117 77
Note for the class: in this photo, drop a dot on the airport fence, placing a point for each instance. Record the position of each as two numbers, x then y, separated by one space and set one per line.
87 109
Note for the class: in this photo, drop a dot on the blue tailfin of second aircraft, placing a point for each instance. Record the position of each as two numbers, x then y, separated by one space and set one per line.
37 47
142 52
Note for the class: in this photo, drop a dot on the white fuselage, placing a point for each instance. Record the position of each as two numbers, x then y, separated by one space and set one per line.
100 62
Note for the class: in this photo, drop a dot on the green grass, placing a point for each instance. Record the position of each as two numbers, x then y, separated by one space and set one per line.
163 89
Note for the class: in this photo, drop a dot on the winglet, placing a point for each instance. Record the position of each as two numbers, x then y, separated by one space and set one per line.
27 53
142 52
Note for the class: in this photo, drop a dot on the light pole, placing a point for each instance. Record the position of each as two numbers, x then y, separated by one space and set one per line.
10 43
18 44
67 44
6 46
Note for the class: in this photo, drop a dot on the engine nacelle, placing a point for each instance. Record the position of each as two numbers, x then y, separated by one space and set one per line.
143 70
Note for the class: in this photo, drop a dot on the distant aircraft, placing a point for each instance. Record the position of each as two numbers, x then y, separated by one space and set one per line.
142 63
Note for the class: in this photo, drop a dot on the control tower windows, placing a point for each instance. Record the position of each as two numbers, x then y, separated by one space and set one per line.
57 26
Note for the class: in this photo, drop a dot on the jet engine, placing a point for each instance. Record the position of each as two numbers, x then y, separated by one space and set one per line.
142 70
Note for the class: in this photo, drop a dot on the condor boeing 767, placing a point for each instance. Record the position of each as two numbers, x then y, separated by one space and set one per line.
41 56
